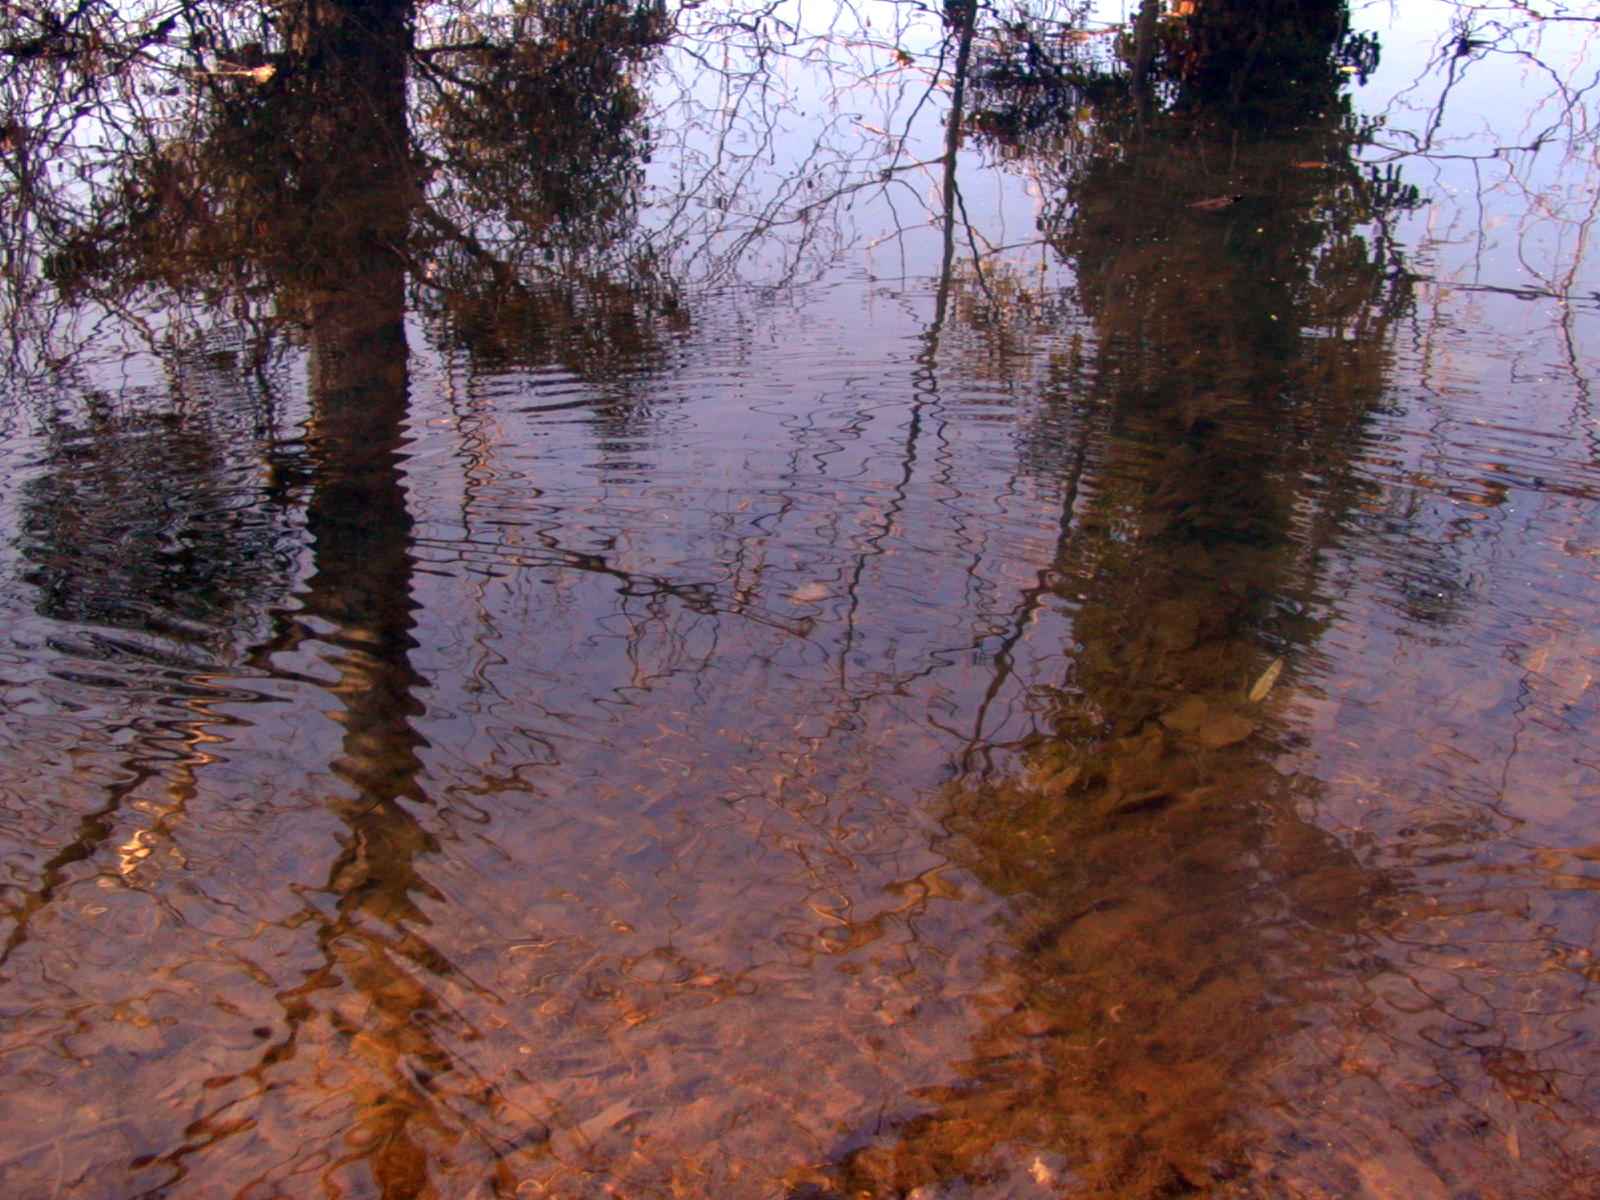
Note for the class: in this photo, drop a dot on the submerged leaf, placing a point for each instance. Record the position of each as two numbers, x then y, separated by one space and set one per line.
1263 685
1216 203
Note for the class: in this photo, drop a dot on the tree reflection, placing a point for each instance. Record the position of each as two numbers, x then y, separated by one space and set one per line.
357 162
1171 901
293 193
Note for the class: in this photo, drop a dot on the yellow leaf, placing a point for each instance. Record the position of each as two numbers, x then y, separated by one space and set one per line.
1263 685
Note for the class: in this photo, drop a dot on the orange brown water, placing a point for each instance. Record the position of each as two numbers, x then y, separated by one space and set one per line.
1117 721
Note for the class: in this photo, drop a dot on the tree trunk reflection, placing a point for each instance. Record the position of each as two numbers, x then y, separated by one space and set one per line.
356 177
1172 904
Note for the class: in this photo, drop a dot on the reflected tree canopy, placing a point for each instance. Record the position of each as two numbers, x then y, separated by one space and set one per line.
204 147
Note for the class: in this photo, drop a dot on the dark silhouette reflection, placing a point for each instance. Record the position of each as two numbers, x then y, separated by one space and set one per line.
530 228
1171 902
568 186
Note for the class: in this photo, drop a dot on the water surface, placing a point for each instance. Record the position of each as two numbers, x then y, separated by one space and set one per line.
608 602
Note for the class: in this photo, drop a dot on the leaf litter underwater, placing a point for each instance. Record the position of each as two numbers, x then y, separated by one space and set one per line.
1020 623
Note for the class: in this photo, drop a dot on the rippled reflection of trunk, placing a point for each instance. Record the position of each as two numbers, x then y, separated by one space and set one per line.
355 176
1172 902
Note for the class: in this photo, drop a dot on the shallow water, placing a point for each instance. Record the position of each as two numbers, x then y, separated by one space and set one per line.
815 673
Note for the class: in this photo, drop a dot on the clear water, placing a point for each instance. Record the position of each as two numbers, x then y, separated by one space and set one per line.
797 681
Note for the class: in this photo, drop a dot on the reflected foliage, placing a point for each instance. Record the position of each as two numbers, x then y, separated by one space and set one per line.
201 153
530 222
569 183
188 554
